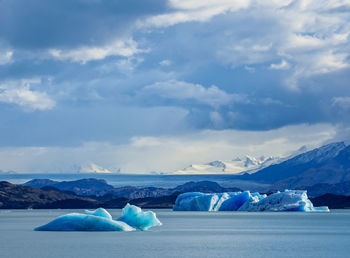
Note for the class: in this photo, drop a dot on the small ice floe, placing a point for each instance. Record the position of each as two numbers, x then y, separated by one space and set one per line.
132 218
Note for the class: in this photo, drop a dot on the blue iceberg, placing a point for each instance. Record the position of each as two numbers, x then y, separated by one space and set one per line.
289 200
100 212
100 220
135 217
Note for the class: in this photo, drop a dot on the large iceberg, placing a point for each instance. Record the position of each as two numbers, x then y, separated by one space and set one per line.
100 220
289 200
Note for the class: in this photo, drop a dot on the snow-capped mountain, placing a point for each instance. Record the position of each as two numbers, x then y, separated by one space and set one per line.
326 164
92 167
237 165
320 154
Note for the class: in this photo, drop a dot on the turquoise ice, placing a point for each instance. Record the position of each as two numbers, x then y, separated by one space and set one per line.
100 212
289 200
133 218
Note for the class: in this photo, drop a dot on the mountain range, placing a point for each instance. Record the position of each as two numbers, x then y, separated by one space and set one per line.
48 197
24 197
101 190
321 171
83 187
329 164
237 166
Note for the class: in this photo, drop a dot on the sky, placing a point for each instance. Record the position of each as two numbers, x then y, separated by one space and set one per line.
153 86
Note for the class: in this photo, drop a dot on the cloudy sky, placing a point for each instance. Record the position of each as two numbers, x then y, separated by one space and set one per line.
156 85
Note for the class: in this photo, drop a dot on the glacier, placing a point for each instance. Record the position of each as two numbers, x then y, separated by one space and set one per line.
133 218
289 200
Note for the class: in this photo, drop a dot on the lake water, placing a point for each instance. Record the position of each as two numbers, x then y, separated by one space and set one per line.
184 234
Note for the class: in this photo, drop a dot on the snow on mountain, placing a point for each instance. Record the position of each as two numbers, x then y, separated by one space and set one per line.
320 154
237 165
325 164
93 168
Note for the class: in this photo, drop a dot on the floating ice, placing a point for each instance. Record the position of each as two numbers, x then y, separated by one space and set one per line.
100 220
84 222
100 212
135 217
289 200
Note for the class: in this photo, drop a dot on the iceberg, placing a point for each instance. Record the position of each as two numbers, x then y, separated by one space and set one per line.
100 212
84 222
289 200
133 218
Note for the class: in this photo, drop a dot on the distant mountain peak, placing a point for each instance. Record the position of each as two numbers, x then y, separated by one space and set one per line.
328 163
319 154
217 163
250 161
93 168
237 165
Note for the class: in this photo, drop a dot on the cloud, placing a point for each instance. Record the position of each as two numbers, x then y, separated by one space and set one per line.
281 66
217 120
78 31
85 54
65 24
249 68
310 38
21 94
315 65
165 62
5 57
165 153
211 65
193 11
72 123
180 90
342 102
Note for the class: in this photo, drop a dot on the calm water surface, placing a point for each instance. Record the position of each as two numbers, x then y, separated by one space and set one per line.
184 234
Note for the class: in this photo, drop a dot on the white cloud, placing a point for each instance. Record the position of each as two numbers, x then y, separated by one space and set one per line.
309 37
165 62
5 57
84 54
316 64
270 101
192 10
249 68
217 120
165 153
20 93
194 4
145 142
343 102
281 66
180 90
313 37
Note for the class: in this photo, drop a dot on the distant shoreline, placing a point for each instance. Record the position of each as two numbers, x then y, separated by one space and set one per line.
94 193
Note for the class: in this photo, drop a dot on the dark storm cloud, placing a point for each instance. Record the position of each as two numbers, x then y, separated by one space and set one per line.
49 23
